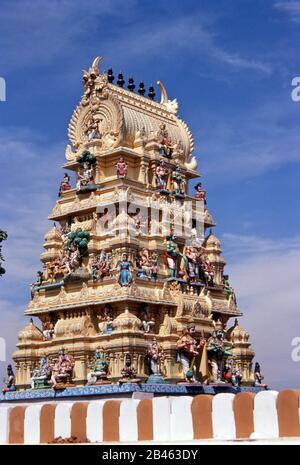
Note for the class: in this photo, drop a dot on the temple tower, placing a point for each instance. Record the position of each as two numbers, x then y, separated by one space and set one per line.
131 255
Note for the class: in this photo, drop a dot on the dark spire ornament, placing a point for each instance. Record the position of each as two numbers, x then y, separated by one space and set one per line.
110 76
151 93
120 80
141 89
131 85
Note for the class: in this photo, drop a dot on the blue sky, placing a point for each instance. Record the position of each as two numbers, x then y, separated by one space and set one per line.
230 64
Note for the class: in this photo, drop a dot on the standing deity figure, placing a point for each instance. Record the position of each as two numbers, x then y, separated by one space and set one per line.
187 351
124 268
139 223
85 176
105 320
232 374
62 370
209 271
217 352
155 355
99 368
178 181
161 176
229 291
122 168
165 143
189 266
154 265
258 377
128 372
200 193
100 266
40 378
65 184
171 256
10 381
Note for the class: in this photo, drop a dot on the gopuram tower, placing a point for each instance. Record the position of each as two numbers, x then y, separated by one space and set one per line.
131 257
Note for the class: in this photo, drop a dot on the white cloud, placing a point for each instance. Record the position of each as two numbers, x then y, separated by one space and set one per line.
292 8
267 286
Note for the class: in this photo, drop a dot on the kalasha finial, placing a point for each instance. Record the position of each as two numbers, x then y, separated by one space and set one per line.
120 80
131 85
110 76
151 93
141 89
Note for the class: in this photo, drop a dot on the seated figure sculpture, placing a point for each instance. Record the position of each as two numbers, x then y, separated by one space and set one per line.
62 371
99 368
40 378
128 372
10 381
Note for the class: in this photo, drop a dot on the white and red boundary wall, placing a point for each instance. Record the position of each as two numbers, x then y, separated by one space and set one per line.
225 417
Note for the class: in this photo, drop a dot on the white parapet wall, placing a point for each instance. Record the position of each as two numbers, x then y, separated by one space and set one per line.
268 415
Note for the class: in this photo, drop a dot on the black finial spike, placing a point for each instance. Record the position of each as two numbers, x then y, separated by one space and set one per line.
141 89
151 93
131 85
120 80
110 75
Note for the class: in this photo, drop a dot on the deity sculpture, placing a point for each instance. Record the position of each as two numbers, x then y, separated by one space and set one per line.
161 176
200 193
105 320
155 355
258 377
125 274
48 330
147 264
187 351
128 372
140 223
178 181
232 374
10 380
75 248
65 184
122 168
93 129
101 266
62 370
40 378
85 175
99 368
209 271
229 291
217 352
147 322
165 144
171 256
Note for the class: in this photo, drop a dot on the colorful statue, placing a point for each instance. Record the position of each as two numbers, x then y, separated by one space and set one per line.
217 352
105 320
125 274
10 380
165 144
147 323
161 176
40 378
200 193
48 330
62 370
99 368
140 223
155 355
144 264
93 129
232 374
171 256
101 266
258 377
229 291
154 265
122 168
128 372
178 181
187 351
209 271
65 184
85 176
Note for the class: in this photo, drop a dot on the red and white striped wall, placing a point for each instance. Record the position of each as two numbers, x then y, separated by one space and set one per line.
266 415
